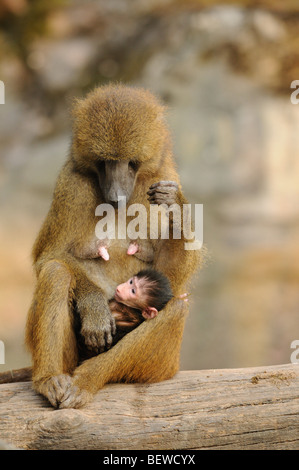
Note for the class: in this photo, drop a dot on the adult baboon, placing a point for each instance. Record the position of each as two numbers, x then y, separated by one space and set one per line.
120 147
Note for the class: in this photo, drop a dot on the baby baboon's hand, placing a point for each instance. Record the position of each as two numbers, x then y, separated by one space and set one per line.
163 192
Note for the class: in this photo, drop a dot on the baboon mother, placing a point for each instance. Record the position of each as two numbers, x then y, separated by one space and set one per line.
120 147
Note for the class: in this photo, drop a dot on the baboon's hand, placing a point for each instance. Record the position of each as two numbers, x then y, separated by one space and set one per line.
98 330
163 192
62 393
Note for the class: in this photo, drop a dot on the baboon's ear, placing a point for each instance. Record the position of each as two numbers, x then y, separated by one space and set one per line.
149 312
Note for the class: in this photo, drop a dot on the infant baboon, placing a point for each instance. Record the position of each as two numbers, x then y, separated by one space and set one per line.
138 299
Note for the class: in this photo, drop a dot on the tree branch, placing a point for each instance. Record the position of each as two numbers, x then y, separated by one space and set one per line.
252 408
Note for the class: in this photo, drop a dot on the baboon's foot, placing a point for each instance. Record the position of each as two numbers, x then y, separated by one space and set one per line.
61 392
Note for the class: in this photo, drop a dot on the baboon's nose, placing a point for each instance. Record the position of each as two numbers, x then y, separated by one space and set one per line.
113 204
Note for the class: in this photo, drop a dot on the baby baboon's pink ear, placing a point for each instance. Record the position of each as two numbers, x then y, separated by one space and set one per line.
149 312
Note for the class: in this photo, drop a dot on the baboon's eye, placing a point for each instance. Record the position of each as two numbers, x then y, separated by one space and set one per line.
134 165
100 166
133 291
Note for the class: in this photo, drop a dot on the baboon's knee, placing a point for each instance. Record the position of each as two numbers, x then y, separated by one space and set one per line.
55 274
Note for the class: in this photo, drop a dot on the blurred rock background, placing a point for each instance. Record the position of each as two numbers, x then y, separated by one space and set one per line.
224 69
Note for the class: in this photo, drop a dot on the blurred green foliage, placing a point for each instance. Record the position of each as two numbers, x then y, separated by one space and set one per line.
22 22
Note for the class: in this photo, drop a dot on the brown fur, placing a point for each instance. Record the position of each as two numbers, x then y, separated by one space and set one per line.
116 123
126 318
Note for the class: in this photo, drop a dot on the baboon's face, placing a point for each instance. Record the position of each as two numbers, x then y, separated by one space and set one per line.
116 179
117 132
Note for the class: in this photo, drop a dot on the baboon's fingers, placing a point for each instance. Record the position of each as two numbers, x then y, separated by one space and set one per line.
76 398
162 190
167 199
56 388
164 183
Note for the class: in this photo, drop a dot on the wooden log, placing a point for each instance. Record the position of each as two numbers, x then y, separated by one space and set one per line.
252 408
16 375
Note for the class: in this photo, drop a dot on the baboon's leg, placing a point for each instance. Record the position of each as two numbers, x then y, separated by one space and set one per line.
50 334
149 353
